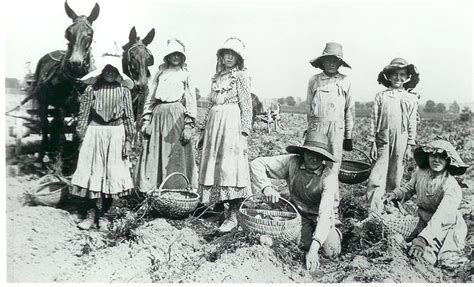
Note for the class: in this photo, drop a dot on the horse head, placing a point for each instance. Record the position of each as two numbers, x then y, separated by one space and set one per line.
79 35
137 58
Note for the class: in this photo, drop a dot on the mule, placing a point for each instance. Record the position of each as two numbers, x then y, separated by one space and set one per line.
57 79
136 59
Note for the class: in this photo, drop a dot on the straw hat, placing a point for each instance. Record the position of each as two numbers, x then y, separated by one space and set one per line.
331 49
314 142
455 166
399 63
175 46
234 44
113 58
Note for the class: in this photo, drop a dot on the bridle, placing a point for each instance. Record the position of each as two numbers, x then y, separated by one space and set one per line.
136 45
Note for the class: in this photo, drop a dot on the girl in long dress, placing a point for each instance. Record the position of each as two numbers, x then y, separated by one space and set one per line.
168 120
224 171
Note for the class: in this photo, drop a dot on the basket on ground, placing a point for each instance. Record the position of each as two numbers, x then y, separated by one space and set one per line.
51 191
280 225
175 203
355 171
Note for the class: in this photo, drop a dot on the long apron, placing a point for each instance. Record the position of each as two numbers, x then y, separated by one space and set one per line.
163 153
224 171
100 166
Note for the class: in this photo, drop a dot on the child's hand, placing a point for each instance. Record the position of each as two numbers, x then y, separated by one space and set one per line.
409 153
127 149
243 142
271 195
312 257
186 135
200 142
145 128
373 151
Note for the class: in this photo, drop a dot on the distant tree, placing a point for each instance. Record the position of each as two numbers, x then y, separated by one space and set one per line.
369 105
440 108
466 115
430 107
281 101
198 93
290 101
358 105
454 108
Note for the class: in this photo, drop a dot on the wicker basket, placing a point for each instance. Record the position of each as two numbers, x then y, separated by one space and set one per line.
286 230
51 191
355 171
175 203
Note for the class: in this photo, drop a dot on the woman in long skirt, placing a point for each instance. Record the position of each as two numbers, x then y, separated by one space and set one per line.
106 128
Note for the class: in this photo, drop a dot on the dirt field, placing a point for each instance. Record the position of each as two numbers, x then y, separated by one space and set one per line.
44 244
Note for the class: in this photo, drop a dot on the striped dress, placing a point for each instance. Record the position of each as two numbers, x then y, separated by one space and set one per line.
105 124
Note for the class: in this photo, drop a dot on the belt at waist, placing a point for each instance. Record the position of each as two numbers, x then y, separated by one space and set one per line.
98 121
159 102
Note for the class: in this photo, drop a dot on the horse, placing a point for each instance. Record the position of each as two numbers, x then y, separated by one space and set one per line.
57 79
267 110
136 59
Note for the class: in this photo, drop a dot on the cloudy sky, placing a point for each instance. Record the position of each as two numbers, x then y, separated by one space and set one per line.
281 38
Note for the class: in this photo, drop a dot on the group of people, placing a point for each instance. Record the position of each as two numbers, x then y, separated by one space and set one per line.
106 127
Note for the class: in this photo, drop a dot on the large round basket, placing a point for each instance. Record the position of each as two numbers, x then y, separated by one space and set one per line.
51 191
280 225
175 203
355 171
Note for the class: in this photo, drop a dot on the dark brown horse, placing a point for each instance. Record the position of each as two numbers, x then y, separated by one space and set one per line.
135 62
57 79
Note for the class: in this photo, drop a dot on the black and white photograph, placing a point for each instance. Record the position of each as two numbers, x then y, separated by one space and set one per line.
238 141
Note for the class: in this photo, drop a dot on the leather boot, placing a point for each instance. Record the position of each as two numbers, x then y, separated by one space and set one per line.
231 220
88 221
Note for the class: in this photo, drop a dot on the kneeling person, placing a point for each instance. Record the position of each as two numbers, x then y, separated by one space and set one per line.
312 185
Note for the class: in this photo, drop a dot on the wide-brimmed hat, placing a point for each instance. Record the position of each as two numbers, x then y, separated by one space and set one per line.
113 58
395 64
175 46
314 142
234 44
331 49
456 165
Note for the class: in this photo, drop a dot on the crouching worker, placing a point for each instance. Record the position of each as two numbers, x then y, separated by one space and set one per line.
312 185
441 232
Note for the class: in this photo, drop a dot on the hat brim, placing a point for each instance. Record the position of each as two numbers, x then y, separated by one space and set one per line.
412 72
318 62
174 51
421 158
219 52
300 150
122 79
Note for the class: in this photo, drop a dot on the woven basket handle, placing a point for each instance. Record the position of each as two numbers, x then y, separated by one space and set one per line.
364 153
160 188
285 200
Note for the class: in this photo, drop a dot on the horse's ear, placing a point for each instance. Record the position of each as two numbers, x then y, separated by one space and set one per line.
133 34
149 37
71 14
94 14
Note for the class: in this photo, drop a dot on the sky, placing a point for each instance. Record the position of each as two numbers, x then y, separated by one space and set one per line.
281 38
